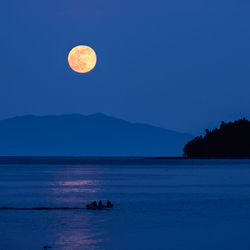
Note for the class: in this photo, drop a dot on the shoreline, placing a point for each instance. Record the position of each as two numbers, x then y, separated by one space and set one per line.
74 160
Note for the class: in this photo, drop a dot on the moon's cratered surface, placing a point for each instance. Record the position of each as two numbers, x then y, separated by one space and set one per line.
82 59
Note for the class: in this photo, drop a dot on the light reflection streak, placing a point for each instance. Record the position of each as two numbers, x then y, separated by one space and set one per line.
76 186
77 183
78 231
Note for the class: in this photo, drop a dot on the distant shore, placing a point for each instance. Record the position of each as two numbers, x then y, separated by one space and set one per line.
74 160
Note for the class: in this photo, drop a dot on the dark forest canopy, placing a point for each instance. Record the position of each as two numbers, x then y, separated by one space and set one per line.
230 140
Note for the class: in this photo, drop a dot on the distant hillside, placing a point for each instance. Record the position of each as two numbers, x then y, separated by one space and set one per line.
230 140
92 135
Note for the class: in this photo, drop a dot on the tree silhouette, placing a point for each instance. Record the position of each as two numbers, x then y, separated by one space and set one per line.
232 139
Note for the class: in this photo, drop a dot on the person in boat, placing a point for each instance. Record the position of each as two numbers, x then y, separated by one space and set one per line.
100 204
92 205
109 204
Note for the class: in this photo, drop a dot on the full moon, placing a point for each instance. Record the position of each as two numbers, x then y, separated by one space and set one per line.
82 59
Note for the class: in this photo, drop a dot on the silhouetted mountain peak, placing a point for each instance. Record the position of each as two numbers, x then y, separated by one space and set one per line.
86 135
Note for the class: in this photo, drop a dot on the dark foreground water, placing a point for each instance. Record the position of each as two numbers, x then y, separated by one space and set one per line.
168 204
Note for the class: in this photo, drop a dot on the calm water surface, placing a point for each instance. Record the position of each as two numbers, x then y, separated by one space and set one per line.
178 204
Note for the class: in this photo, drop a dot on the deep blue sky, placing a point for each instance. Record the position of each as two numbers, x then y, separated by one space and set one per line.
182 65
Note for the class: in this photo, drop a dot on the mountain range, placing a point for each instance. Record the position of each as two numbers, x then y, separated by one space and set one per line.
86 135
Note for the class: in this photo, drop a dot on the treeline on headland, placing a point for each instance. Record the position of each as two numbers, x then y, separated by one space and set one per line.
231 139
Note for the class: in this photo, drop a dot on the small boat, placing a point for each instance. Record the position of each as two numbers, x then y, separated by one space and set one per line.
47 247
88 206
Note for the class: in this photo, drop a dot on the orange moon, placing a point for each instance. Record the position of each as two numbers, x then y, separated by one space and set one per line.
82 59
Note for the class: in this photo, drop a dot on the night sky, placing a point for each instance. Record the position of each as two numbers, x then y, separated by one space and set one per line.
182 65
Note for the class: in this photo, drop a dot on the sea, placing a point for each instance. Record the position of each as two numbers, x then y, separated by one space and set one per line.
173 204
